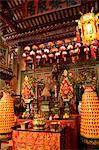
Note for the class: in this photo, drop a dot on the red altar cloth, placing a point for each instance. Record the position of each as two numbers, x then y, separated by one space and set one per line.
32 140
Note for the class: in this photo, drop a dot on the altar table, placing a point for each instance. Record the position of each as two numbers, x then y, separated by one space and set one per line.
37 140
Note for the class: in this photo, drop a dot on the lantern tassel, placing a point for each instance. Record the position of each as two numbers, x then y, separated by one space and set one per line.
93 51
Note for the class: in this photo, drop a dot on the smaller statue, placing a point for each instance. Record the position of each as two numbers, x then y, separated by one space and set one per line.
26 94
67 93
66 89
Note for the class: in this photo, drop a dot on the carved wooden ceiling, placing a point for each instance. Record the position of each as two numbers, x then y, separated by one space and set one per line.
24 20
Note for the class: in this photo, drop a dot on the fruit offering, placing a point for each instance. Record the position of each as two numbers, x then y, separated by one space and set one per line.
90 114
38 122
26 94
6 113
56 116
65 116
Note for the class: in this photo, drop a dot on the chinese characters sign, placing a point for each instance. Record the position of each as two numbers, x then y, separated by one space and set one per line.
40 6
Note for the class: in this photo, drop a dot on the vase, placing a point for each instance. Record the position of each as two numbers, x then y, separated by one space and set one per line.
79 107
67 107
6 113
89 127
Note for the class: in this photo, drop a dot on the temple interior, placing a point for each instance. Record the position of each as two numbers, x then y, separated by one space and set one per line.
49 75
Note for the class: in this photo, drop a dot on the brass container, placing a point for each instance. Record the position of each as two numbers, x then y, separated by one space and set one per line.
39 124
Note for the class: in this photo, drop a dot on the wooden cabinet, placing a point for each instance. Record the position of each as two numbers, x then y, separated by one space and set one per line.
70 132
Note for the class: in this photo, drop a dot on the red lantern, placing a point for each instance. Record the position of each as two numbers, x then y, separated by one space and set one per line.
44 56
53 50
77 51
42 46
34 47
67 40
70 47
32 53
29 58
27 48
57 54
59 42
64 53
72 54
78 45
93 51
50 44
46 50
24 55
62 48
39 52
87 51
38 57
51 56
78 36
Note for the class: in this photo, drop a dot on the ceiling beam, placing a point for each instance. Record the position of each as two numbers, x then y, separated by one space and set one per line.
6 16
3 26
8 21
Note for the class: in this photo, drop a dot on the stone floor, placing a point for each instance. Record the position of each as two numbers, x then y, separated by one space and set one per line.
8 146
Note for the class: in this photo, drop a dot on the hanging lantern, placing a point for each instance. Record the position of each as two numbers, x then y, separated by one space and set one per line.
95 43
53 50
87 52
93 47
62 48
44 56
46 50
24 55
34 47
87 27
50 44
38 57
78 45
57 54
93 51
51 56
16 50
64 53
29 58
67 40
72 54
39 52
42 46
59 43
32 53
27 48
70 47
77 52
78 35
75 39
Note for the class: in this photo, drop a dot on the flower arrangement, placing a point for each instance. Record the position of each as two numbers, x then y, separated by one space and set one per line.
7 89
